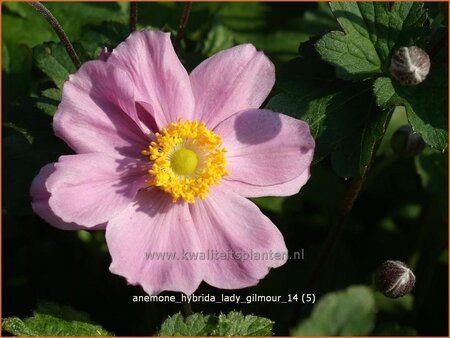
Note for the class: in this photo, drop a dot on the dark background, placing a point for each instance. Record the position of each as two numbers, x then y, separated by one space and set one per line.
394 218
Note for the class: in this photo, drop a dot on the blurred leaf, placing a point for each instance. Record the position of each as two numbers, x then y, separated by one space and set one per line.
21 130
232 324
23 25
394 306
107 34
218 38
312 93
5 58
16 8
18 173
53 60
49 100
274 204
277 29
433 171
350 312
371 32
22 159
16 73
394 330
52 319
319 20
84 13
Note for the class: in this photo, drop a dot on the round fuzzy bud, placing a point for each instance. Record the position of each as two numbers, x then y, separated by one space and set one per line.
405 142
410 65
394 279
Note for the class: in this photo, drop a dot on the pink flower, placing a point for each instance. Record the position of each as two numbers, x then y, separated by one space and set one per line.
165 160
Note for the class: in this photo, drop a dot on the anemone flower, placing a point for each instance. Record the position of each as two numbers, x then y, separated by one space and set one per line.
165 161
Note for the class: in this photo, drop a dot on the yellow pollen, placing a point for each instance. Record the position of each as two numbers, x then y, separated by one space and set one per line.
187 159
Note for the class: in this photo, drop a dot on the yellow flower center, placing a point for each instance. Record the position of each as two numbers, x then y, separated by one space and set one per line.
187 158
184 161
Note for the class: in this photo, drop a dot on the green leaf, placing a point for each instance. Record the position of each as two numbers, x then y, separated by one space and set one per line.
53 60
274 204
394 306
277 29
16 65
433 171
5 58
23 25
356 57
350 312
425 104
218 38
237 324
20 130
232 324
311 92
355 154
49 100
371 32
52 319
107 34
394 330
194 325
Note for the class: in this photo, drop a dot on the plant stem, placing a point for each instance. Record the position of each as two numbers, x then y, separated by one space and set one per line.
133 15
183 22
187 309
344 209
47 15
334 235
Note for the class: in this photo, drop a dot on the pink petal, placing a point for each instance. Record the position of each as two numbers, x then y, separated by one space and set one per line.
90 189
40 197
232 80
266 148
288 188
153 224
227 222
158 76
98 114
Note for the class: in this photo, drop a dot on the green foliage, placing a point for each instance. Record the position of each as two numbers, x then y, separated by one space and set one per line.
312 93
372 31
231 324
274 204
194 325
395 330
425 104
394 305
49 100
237 324
339 82
52 319
348 313
433 171
106 34
218 38
54 61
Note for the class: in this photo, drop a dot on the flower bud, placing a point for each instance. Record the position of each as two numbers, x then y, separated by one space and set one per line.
394 279
410 65
406 143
